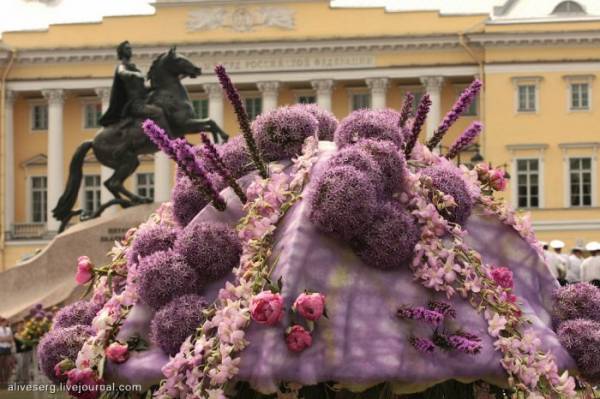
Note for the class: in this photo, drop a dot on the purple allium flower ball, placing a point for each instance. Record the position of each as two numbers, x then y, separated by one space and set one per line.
211 249
581 338
280 133
176 321
389 241
150 240
77 313
361 160
328 123
187 200
343 202
448 179
165 275
369 124
61 343
574 301
391 161
235 157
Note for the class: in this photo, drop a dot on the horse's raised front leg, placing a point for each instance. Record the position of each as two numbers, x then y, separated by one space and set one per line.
206 125
115 185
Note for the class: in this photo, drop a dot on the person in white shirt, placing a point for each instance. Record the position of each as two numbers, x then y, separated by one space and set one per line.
556 262
574 265
6 358
590 267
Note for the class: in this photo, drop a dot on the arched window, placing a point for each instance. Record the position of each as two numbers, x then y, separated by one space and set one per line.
568 7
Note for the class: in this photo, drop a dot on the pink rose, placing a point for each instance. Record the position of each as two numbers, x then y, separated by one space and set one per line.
85 270
502 276
498 180
310 306
267 308
297 338
117 352
83 384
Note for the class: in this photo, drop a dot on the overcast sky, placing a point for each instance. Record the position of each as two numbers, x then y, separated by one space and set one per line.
37 14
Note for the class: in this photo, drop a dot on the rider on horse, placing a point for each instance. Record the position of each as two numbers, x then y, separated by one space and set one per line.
129 93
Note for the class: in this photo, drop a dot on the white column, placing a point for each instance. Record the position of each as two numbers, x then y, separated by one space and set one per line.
105 171
215 102
270 91
55 98
323 87
433 86
9 160
378 87
163 173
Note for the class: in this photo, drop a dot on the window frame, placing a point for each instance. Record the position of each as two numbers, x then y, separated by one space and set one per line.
145 186
353 91
30 201
200 97
86 102
539 182
32 105
527 81
579 150
581 171
252 95
96 190
579 79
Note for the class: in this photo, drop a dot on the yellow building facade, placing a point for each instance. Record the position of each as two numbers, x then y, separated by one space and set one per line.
540 105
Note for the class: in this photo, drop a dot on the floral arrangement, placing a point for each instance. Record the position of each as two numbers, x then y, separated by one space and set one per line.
233 301
36 324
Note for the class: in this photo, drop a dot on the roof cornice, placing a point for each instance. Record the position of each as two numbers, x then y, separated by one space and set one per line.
556 38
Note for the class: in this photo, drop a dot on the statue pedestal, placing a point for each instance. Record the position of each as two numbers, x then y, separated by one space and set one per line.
49 277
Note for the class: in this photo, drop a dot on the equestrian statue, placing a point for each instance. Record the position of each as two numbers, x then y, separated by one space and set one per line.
121 139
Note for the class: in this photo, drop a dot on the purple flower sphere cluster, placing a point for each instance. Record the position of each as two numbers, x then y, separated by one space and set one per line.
361 160
389 242
58 344
175 321
165 275
328 123
581 338
577 301
281 133
369 124
235 157
212 249
343 202
448 179
151 239
77 313
391 163
187 200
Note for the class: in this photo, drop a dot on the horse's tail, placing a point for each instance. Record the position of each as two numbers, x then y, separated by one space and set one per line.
69 197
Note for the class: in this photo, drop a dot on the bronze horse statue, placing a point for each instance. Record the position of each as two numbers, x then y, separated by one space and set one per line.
119 144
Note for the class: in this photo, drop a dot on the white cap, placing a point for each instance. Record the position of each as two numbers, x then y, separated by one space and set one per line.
557 244
543 243
592 246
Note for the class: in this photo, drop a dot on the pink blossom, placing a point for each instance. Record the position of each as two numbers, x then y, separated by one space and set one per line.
298 339
498 180
310 306
85 270
83 384
62 368
117 352
503 276
496 324
267 308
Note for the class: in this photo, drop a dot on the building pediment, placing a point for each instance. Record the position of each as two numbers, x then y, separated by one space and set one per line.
37 160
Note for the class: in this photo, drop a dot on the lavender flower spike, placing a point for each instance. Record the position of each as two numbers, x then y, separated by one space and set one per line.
464 100
406 108
180 152
465 139
217 161
423 345
242 115
420 116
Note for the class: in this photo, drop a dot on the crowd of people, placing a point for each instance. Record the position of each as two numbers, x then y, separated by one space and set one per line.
576 266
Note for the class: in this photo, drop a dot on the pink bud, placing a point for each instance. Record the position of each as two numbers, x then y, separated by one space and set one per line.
267 308
310 306
117 352
498 180
298 339
85 270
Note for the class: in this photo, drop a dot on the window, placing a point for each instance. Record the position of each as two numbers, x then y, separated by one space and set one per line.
39 117
360 100
39 199
145 185
91 193
92 114
568 7
580 181
253 106
306 99
528 183
526 98
580 96
201 108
